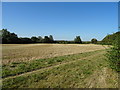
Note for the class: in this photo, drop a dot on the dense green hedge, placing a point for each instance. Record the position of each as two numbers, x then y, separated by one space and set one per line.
110 39
113 54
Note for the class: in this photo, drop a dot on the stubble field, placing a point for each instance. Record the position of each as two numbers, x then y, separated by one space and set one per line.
56 65
27 52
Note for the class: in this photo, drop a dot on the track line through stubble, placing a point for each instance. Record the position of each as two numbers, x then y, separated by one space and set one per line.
50 67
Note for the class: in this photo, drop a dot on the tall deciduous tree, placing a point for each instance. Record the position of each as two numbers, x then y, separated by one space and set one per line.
34 39
77 39
51 38
46 39
40 39
8 37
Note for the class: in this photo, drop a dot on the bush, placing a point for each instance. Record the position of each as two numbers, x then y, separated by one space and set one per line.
94 41
113 55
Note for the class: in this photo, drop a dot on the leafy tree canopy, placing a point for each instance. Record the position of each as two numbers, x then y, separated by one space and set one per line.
77 39
94 40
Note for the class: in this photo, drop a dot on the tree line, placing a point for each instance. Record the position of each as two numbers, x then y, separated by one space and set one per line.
12 38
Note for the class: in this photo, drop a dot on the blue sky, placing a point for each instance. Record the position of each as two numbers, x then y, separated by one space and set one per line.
63 20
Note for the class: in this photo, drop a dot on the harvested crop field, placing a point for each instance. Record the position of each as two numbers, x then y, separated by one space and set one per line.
27 52
72 66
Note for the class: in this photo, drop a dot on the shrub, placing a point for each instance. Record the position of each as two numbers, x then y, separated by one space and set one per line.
94 41
113 55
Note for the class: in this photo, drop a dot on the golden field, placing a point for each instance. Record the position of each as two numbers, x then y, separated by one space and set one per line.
27 52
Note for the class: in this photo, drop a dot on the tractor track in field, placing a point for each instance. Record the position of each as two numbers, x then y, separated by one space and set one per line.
50 67
98 79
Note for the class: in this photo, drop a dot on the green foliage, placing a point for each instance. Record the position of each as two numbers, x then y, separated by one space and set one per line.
51 38
46 39
110 39
40 39
8 37
77 39
94 40
64 42
25 40
34 39
86 42
113 54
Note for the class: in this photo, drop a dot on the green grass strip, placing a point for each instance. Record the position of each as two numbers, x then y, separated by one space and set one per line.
22 67
66 76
